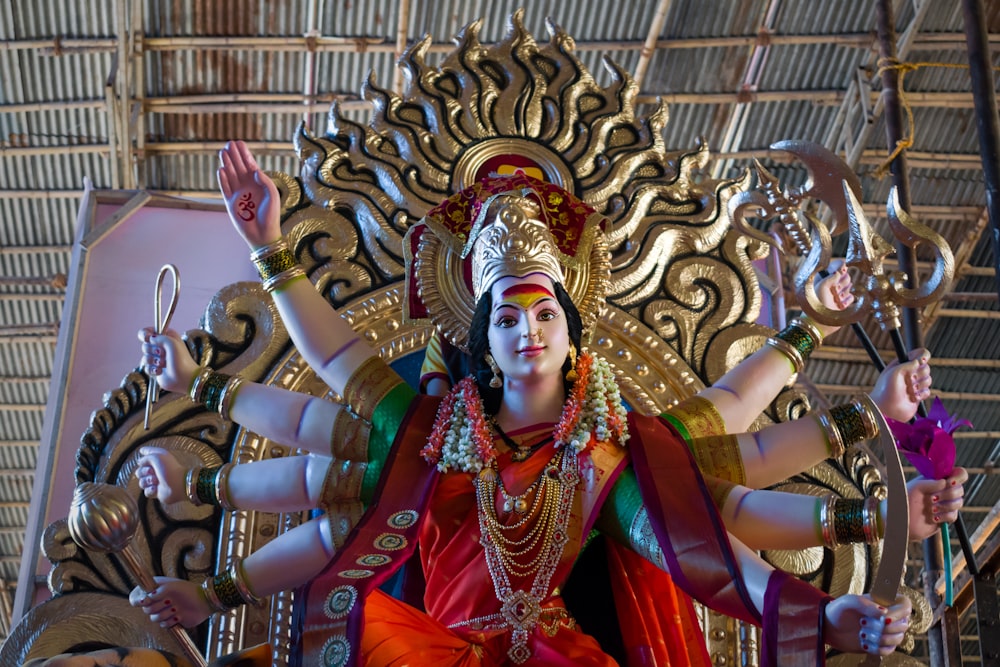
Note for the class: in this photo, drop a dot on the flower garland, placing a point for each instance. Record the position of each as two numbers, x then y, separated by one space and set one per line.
462 440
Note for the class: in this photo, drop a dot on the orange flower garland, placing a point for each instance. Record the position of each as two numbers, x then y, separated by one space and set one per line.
462 440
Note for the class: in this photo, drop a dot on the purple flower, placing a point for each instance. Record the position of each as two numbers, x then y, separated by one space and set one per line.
927 442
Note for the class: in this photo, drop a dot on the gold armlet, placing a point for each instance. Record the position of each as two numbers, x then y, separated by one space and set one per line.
719 456
349 439
370 383
700 417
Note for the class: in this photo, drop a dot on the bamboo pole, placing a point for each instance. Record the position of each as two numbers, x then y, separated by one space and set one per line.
402 31
61 45
652 38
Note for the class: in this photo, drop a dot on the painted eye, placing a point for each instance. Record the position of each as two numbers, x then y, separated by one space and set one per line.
547 315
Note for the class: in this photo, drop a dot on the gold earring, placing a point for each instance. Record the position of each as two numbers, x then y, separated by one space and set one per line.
495 381
571 374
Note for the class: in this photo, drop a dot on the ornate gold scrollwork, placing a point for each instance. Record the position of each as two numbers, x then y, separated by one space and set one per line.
680 313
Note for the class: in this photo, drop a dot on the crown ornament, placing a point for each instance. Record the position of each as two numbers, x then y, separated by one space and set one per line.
503 226
516 244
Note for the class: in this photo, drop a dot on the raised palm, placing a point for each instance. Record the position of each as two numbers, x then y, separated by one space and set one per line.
250 195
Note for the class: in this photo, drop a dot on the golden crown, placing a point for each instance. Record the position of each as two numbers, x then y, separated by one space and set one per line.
515 244
503 226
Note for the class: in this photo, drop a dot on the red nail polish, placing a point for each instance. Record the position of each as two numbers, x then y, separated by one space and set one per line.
166 602
954 482
934 499
864 621
864 647
888 621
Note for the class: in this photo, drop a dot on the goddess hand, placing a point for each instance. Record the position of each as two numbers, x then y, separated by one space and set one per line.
251 197
856 624
901 386
834 292
935 501
174 601
161 475
165 356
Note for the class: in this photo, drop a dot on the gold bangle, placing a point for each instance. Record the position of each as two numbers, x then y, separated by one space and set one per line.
222 487
854 422
228 395
239 576
810 328
789 350
224 589
191 482
205 483
199 385
871 518
826 521
269 249
835 443
208 592
277 281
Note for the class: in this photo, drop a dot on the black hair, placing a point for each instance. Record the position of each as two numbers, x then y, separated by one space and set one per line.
479 343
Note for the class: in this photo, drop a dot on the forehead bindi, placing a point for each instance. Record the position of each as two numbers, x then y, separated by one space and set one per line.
525 295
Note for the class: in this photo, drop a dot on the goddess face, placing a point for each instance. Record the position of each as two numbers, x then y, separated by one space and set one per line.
528 333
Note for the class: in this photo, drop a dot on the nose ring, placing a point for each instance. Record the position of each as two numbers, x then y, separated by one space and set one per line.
539 334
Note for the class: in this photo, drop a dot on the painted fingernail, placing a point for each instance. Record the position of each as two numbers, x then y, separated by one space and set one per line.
934 499
888 620
166 602
864 621
937 519
864 636
954 482
864 647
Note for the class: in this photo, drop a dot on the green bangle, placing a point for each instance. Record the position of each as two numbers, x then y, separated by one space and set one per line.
212 389
225 590
204 487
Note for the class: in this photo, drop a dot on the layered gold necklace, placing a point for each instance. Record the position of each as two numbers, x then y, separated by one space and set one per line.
535 552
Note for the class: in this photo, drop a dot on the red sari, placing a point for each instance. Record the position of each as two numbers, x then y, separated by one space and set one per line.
459 585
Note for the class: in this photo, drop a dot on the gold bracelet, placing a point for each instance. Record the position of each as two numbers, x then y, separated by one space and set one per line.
835 443
279 280
208 592
871 520
810 328
269 249
849 520
239 576
191 482
790 351
222 487
205 481
854 422
199 384
228 395
826 521
224 590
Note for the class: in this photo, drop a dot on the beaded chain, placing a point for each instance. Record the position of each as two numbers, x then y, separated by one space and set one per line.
522 611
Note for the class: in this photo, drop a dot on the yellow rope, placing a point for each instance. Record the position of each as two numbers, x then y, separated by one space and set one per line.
906 142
